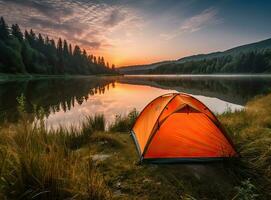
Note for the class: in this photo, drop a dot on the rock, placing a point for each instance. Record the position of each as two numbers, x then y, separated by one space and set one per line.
197 176
147 180
100 157
118 184
117 192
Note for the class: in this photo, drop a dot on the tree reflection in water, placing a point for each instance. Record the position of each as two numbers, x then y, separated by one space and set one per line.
55 95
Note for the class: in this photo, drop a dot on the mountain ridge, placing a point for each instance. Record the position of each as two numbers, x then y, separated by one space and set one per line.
255 46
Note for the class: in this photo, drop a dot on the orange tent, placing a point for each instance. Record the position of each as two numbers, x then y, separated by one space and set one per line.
177 127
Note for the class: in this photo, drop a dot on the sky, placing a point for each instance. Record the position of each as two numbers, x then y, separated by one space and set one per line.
130 32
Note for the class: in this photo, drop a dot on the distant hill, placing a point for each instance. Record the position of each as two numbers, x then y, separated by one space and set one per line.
264 44
139 68
244 49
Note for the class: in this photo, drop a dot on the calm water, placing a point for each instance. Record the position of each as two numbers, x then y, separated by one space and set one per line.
68 101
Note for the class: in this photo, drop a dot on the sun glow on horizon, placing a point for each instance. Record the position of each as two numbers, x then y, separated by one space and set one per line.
143 32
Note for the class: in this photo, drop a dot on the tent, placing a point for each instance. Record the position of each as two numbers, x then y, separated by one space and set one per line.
177 127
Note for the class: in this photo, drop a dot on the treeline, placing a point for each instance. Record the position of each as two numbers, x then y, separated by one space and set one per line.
250 62
35 54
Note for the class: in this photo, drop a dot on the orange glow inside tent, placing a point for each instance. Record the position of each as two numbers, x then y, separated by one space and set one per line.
177 127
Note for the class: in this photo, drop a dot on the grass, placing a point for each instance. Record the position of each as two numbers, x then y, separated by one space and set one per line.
251 131
92 163
124 123
74 138
37 164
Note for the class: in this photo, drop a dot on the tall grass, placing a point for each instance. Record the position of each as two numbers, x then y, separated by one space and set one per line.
124 123
75 138
96 123
251 132
39 164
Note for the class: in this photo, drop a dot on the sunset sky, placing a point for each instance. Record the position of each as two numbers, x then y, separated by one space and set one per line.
128 32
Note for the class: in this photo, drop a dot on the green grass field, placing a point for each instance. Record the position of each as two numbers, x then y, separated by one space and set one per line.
36 163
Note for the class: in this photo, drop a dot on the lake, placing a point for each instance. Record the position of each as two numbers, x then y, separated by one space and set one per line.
67 101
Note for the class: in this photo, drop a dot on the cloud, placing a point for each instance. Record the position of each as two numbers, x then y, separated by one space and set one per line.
200 21
70 26
114 18
94 44
88 23
46 7
195 23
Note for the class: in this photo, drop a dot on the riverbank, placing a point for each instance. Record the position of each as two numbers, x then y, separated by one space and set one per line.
12 77
36 163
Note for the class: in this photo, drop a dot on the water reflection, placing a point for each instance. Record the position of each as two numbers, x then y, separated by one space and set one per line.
52 95
117 100
68 101
237 89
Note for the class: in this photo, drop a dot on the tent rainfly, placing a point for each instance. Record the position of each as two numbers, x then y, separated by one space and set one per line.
177 127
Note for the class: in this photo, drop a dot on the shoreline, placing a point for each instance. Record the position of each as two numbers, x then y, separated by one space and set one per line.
199 75
11 77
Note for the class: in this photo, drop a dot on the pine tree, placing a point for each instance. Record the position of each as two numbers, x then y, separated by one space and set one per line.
4 30
32 34
59 46
53 44
65 49
90 58
40 39
84 53
77 51
60 65
102 62
47 41
32 37
16 32
26 35
70 50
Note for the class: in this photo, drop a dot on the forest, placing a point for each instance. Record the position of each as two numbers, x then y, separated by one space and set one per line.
31 53
255 61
